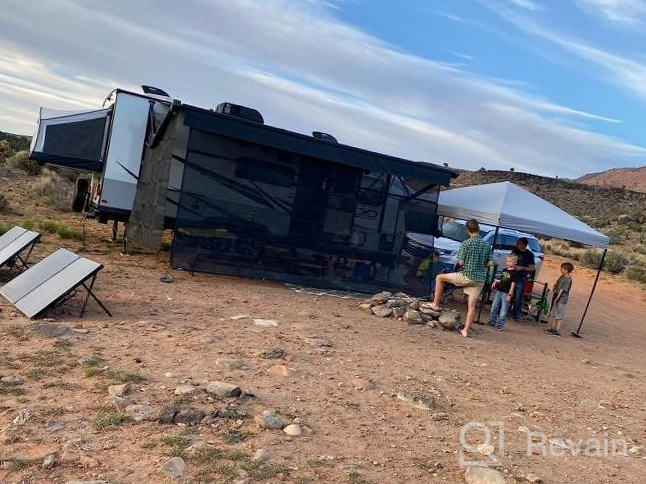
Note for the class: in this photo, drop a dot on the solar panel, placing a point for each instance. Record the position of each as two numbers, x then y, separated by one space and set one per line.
11 247
50 282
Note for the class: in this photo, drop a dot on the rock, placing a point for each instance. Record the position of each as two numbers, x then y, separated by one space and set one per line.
273 353
208 420
262 455
415 304
119 390
88 462
413 317
636 450
362 384
174 376
439 416
80 330
53 426
141 412
483 475
382 311
486 449
167 278
417 400
223 389
533 478
265 323
238 317
448 320
396 303
198 447
231 363
270 419
8 435
47 330
293 430
73 445
120 403
241 477
382 297
318 341
186 390
23 417
49 462
429 311
431 324
279 370
164 415
590 404
174 467
365 305
12 380
86 482
189 416
399 312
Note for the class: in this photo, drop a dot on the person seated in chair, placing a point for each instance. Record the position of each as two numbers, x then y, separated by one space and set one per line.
525 267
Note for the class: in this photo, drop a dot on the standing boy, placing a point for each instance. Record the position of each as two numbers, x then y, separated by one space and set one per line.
504 289
474 257
562 290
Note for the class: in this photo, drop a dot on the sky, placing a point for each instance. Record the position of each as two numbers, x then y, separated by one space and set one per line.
554 87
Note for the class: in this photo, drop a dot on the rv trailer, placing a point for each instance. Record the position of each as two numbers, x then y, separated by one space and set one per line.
248 199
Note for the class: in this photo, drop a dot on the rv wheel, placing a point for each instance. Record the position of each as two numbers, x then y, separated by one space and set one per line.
80 194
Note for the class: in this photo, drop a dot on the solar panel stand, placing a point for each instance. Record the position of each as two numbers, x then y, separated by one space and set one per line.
24 261
90 293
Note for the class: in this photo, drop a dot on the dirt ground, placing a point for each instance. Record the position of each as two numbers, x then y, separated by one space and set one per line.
355 429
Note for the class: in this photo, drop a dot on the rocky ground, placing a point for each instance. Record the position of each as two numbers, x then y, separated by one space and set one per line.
217 379
212 379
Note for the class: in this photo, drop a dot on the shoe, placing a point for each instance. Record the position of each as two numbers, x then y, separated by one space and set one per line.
500 328
556 333
491 323
550 330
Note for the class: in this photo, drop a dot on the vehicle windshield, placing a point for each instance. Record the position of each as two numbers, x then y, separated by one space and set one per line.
456 231
534 246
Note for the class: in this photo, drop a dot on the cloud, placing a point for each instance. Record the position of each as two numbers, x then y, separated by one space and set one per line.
622 11
303 69
622 71
527 4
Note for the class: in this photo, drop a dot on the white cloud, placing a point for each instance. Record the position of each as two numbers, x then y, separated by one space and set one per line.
623 11
528 4
303 69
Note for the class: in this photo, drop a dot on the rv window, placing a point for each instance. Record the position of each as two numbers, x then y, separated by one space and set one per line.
372 191
264 172
420 217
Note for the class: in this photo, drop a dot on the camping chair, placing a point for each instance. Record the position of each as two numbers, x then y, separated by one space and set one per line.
13 243
533 305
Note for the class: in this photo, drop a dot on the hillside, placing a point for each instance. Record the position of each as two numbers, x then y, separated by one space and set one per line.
629 178
17 142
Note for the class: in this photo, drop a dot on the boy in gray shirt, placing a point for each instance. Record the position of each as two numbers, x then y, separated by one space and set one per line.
562 290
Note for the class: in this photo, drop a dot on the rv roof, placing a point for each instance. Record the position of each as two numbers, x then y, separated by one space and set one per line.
210 121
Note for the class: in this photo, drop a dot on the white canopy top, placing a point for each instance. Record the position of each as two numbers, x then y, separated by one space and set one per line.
507 205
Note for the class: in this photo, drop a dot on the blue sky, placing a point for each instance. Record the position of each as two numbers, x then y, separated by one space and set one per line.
550 87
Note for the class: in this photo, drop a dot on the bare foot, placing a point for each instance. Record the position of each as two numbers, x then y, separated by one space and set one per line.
434 307
464 333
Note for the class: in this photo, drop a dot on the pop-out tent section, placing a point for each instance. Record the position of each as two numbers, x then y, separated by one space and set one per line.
71 138
506 205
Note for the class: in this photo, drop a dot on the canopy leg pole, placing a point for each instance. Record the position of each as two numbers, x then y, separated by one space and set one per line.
594 287
487 291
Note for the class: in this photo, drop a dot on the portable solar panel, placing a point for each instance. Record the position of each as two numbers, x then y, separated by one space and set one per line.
14 242
51 282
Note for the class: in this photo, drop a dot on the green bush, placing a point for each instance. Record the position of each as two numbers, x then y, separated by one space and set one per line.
22 162
615 262
636 273
27 224
48 226
66 233
4 228
617 235
640 249
4 204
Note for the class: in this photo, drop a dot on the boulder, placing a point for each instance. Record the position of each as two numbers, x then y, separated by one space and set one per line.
413 317
174 467
382 311
448 320
382 297
293 430
423 401
270 419
223 389
189 416
483 475
399 312
365 305
186 390
119 390
262 455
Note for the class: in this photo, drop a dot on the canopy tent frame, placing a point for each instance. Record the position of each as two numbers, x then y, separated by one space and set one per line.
582 234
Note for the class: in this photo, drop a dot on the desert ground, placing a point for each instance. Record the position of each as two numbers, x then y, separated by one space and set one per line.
338 379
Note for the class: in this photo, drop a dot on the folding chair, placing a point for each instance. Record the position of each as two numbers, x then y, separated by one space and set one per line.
13 243
533 305
51 282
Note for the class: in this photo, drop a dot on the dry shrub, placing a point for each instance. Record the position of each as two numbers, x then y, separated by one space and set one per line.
636 273
22 162
615 262
560 248
4 204
52 190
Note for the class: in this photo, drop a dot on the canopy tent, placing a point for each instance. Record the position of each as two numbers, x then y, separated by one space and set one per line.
506 205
